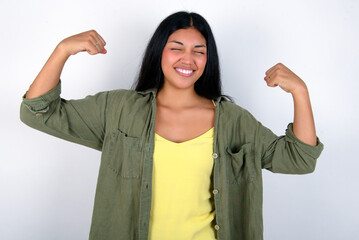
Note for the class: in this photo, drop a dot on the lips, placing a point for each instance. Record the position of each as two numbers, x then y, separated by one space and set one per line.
184 72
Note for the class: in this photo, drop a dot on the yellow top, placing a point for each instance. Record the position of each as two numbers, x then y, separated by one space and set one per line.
182 207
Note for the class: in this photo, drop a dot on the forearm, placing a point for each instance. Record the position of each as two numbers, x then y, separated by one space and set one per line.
49 75
303 124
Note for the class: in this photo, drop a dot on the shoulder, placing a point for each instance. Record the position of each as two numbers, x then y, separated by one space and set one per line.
127 95
120 93
237 125
235 112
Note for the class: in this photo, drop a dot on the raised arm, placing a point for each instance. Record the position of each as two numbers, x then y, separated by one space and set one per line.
81 121
303 123
49 75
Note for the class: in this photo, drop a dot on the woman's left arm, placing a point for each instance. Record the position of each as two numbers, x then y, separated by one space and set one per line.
303 123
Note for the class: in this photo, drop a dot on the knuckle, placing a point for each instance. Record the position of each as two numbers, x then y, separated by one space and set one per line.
92 33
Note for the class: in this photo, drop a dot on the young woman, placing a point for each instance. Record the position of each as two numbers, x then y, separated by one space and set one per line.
179 160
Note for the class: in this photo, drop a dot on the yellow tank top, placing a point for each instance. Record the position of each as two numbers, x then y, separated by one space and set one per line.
182 207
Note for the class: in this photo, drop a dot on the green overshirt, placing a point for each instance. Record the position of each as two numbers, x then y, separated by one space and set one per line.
120 123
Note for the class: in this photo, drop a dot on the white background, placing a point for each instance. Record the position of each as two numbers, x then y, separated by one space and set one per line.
47 185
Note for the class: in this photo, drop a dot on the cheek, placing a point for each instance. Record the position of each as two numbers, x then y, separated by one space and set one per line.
167 58
202 62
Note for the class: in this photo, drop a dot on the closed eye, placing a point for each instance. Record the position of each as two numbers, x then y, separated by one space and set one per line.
200 53
176 49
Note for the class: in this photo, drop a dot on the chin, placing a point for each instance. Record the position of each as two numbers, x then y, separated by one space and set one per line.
180 82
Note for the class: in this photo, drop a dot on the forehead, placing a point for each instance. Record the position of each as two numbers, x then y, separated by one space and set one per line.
188 36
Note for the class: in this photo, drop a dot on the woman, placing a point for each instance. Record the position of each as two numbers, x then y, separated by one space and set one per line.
179 161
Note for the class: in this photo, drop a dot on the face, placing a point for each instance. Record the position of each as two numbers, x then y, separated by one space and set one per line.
184 58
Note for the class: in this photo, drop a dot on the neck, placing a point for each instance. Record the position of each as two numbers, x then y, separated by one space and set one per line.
177 98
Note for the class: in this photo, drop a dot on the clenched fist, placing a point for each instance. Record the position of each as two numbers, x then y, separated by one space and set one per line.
89 41
280 75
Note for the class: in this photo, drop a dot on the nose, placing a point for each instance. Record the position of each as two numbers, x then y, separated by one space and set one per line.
187 58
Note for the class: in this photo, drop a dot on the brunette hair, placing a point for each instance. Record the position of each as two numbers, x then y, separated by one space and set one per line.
151 75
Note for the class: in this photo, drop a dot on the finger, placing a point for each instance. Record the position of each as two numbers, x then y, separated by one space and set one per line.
268 77
102 40
272 83
273 73
95 48
92 50
274 69
269 71
99 41
99 46
95 38
96 43
91 47
103 43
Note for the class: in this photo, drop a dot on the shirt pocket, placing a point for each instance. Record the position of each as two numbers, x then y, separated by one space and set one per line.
124 155
241 165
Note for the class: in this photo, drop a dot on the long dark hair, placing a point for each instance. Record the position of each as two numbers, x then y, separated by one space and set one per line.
151 75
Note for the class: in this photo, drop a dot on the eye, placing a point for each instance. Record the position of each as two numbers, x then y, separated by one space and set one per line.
201 53
175 49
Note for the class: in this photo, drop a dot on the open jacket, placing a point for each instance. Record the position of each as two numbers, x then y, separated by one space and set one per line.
120 123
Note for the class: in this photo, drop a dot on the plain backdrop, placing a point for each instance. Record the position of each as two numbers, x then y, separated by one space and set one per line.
47 185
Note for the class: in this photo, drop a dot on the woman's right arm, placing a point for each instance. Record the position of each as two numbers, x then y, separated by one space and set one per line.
81 121
49 75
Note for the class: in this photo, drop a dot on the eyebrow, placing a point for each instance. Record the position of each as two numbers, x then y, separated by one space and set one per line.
196 46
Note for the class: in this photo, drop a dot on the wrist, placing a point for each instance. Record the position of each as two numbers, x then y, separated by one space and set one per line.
61 51
301 90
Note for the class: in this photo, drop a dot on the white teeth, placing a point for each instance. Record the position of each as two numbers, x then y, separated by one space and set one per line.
185 71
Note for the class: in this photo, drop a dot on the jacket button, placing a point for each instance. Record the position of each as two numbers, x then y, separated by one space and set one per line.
216 227
215 191
215 155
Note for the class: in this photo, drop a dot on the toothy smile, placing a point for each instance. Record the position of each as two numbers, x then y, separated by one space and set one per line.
184 72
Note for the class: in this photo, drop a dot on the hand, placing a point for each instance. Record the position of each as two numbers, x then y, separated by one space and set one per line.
89 41
280 75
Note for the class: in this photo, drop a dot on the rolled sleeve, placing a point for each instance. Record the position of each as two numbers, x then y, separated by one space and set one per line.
41 104
80 121
313 151
287 154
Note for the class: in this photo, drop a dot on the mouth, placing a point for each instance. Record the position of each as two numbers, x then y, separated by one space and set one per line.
185 72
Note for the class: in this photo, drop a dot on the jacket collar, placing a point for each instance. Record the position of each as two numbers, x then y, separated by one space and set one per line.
148 91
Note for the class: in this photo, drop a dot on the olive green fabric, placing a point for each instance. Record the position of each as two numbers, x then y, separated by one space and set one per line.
120 123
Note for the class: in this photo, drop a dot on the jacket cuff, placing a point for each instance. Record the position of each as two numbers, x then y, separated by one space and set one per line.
41 104
313 151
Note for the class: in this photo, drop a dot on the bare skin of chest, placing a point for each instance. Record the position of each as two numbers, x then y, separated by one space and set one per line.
186 123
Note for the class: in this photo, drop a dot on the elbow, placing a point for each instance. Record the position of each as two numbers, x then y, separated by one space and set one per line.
293 165
24 114
29 117
306 166
309 170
